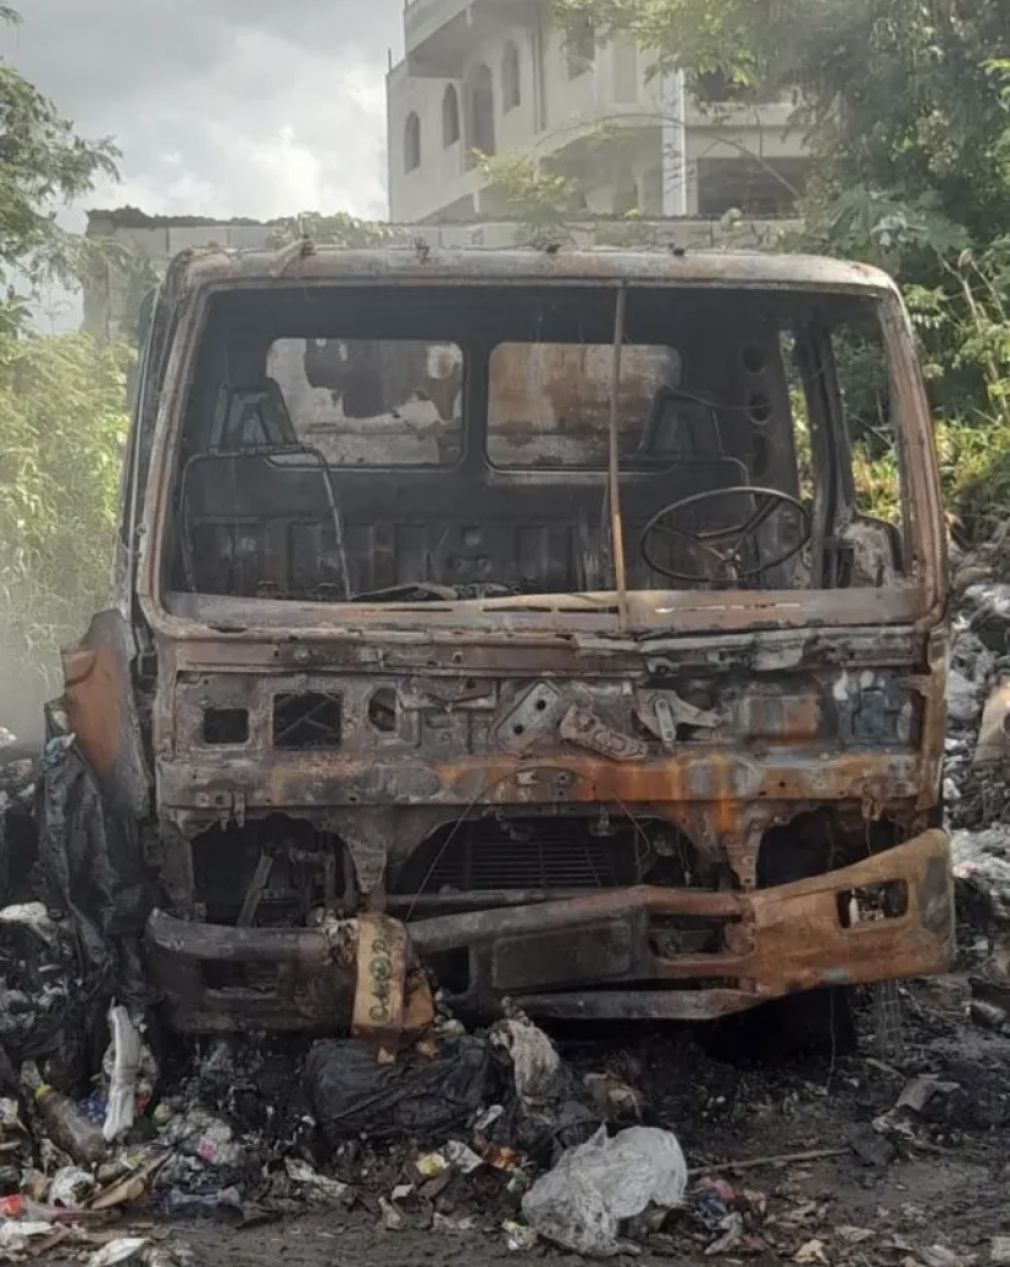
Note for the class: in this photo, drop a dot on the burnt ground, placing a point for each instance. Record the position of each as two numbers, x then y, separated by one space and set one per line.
930 1190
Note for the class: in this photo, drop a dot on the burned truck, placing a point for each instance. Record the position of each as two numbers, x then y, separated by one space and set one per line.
531 606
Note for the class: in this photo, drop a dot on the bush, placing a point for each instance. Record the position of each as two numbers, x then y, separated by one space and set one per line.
63 423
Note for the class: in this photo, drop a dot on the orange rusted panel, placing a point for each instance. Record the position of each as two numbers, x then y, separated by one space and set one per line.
94 699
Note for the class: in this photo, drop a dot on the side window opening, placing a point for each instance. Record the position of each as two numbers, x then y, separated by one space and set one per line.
842 385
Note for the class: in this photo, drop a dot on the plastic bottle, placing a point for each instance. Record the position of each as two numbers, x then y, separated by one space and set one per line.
65 1124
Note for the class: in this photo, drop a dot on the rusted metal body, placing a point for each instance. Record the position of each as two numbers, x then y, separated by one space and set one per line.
672 803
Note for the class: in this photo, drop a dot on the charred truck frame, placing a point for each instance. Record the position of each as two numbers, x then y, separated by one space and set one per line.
516 615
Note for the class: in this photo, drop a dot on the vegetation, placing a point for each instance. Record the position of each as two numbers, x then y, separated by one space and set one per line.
63 425
532 195
906 104
62 404
42 162
339 229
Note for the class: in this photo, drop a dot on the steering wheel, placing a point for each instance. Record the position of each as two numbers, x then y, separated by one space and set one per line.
726 545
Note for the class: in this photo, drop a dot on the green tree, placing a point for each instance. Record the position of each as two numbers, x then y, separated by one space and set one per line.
62 405
43 163
906 104
531 194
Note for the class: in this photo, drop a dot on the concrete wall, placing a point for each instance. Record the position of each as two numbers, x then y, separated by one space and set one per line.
109 297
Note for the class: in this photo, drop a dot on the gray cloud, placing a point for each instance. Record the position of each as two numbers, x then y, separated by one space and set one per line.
222 107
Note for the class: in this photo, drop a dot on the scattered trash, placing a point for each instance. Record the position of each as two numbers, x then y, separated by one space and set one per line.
615 1099
131 1187
431 1165
64 1123
16 1235
201 1134
71 1187
126 1249
581 1203
392 1219
301 1172
443 1223
927 1091
127 1061
488 1118
812 1251
463 1158
535 1061
993 743
963 702
33 916
519 1237
732 1235
940 1256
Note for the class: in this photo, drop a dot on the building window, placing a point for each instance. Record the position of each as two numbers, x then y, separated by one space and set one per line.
718 87
412 143
480 112
510 87
580 48
767 189
450 116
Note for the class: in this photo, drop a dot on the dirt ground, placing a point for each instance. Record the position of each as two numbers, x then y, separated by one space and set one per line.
931 1191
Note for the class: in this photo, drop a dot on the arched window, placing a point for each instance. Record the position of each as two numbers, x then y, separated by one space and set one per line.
450 116
480 112
580 47
412 143
511 91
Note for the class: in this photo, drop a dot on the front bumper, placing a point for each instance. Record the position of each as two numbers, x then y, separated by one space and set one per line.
890 916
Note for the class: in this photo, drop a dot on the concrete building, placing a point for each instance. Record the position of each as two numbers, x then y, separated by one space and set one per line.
497 75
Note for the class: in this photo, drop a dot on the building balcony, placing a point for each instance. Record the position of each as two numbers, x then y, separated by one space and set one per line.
440 34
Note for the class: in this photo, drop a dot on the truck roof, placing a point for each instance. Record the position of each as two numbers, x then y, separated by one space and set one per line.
306 262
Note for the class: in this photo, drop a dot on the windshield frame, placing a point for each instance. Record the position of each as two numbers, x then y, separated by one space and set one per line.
921 600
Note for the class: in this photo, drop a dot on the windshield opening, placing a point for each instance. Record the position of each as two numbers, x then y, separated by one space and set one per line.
435 444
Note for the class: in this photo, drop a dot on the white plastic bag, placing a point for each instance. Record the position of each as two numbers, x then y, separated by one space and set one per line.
581 1203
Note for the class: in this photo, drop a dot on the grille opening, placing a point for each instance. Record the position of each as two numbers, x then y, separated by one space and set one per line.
311 720
548 854
382 709
225 725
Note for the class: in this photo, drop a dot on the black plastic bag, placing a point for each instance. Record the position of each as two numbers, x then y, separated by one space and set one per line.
351 1093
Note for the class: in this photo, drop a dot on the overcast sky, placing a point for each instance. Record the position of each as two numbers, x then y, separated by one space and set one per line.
222 107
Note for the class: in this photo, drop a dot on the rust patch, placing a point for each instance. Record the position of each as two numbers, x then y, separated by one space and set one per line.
94 691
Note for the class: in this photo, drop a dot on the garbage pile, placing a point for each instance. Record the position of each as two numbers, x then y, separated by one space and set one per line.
109 1139
977 771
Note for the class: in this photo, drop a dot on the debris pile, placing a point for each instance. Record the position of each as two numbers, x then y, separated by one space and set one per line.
111 1141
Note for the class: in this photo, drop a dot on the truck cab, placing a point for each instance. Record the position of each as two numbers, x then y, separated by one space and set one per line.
535 605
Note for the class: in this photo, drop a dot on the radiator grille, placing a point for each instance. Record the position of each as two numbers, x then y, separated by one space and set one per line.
539 853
